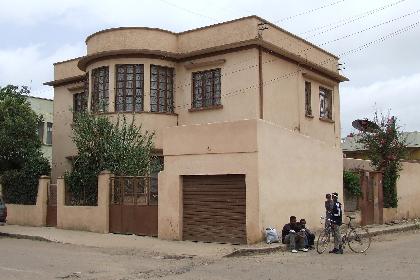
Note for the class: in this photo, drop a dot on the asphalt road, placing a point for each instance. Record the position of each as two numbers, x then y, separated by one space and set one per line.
395 256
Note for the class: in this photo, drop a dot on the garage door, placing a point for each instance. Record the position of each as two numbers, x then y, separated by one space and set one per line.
214 208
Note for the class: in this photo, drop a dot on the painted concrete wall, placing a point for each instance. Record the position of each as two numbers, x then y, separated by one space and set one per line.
31 215
284 99
408 189
233 33
63 146
295 173
88 218
202 150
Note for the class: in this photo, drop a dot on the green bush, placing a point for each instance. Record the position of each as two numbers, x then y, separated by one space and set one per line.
20 186
121 148
351 182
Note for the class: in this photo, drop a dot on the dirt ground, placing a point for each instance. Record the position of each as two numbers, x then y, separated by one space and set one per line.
394 256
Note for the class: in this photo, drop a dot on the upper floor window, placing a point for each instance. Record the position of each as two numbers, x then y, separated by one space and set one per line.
130 88
80 100
49 133
161 89
325 103
100 89
206 89
308 105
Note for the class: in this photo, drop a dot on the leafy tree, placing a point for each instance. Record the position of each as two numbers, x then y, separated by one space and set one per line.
121 148
386 147
21 160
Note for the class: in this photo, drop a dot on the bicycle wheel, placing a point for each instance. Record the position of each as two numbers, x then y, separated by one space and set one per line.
359 240
323 241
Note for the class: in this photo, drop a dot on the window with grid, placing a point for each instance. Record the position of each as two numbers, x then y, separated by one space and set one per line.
49 133
325 103
206 89
161 89
100 89
308 106
80 100
130 88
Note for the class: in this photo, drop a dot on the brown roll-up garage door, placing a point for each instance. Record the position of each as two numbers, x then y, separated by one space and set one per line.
214 208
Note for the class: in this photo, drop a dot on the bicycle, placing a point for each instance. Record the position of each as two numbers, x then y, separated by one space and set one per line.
357 238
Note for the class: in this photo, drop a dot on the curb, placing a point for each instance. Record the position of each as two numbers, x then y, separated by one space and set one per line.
394 230
255 251
283 248
22 236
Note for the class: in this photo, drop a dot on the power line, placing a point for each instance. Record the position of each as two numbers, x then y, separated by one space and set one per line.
348 20
369 28
309 11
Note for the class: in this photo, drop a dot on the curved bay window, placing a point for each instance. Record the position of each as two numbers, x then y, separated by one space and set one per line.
129 88
206 89
100 89
161 89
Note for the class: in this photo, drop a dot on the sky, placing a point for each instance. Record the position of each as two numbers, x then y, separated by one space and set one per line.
377 41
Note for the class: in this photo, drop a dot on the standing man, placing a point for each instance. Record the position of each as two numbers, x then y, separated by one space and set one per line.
336 221
328 209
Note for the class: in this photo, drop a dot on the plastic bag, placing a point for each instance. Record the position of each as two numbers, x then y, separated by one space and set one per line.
271 235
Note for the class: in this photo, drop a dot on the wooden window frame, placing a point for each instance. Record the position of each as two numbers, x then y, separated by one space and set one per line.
325 93
100 104
167 101
215 96
137 103
308 99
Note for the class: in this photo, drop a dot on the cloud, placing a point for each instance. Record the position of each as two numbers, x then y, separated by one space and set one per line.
400 96
28 66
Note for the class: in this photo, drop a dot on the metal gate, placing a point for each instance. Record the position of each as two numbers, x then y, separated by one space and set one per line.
52 205
133 205
214 208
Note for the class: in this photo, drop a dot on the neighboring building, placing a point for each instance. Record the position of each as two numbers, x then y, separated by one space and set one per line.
248 121
44 107
352 149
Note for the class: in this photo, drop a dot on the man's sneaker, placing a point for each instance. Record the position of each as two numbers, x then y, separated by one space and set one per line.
294 251
303 250
333 251
340 251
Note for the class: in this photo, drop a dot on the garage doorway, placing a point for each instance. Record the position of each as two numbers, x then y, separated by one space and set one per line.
214 208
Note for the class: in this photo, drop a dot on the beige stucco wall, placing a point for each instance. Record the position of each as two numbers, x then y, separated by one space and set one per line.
31 215
88 218
295 172
354 164
284 99
239 89
408 189
62 144
132 38
67 69
201 150
232 33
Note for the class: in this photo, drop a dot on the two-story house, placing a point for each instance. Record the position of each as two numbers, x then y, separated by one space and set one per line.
247 120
